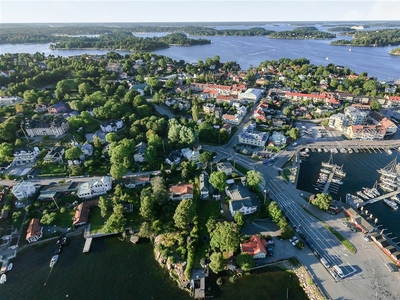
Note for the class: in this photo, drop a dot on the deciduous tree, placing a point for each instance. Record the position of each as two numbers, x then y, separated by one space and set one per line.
216 262
218 180
254 178
245 261
185 213
225 237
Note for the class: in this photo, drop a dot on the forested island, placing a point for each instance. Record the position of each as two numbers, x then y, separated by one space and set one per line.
125 41
395 51
384 37
308 32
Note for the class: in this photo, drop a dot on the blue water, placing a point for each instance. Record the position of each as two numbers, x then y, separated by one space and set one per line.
251 51
361 171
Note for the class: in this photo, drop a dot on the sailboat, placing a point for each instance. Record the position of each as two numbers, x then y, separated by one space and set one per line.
350 49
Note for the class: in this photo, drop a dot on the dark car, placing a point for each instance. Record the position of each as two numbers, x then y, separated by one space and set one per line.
52 183
270 251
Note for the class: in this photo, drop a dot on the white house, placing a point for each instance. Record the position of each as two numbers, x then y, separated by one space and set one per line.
189 154
250 95
23 190
278 138
204 186
225 167
95 187
10 100
140 151
252 137
181 191
112 126
240 200
25 156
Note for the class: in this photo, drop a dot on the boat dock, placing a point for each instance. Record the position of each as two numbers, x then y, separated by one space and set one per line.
4 266
385 196
88 243
328 182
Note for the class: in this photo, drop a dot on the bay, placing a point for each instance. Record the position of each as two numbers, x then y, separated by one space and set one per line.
361 171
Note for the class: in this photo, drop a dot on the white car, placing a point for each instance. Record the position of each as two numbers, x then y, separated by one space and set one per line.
294 144
292 239
294 243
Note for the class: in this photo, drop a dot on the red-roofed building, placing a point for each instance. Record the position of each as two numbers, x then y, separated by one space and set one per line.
259 114
370 133
181 191
34 231
255 247
82 212
393 101
301 97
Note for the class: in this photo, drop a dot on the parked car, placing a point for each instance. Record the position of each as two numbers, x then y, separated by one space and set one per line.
270 251
52 183
366 238
292 239
294 243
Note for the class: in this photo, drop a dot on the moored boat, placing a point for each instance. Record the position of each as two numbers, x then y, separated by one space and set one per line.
337 181
362 195
9 267
3 278
326 171
53 260
393 205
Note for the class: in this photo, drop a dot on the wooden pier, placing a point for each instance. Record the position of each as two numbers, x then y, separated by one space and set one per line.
88 243
328 182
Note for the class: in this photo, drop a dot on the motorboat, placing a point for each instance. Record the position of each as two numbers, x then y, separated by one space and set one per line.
369 192
9 267
3 278
326 171
393 205
319 150
53 260
356 150
350 150
387 188
362 195
343 150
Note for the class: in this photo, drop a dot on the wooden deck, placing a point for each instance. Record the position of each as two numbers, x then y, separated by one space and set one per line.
88 243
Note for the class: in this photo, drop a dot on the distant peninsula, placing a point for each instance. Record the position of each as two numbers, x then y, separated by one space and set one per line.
372 38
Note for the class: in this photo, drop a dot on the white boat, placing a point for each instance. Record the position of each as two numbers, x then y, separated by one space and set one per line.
339 172
395 199
350 150
355 150
393 205
350 49
3 278
386 188
343 150
326 171
368 192
326 150
362 195
53 260
337 181
319 150
9 267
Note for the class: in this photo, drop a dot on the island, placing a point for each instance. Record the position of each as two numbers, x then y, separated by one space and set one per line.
304 32
372 38
395 51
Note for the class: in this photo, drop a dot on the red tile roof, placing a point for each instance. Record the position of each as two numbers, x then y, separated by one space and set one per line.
181 189
33 228
254 246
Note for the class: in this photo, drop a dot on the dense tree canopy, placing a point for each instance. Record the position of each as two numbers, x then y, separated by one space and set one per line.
225 237
185 213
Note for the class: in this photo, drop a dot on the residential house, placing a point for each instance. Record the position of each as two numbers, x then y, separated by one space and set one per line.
174 158
55 155
240 200
393 101
224 99
58 108
255 247
209 108
366 132
23 190
379 119
132 182
225 167
227 127
252 137
43 126
218 112
204 185
189 154
25 156
98 134
82 212
94 187
34 231
10 100
112 125
278 138
87 149
114 67
140 151
181 191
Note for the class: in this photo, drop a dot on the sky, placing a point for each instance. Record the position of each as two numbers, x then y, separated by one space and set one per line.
138 11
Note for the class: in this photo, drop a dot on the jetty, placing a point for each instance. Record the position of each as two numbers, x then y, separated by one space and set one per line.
88 243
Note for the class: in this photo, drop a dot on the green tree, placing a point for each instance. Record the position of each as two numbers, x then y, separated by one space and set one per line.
254 178
111 137
160 192
115 223
239 219
48 219
73 153
295 133
185 213
104 206
205 157
322 201
375 105
84 89
216 262
117 171
245 261
225 237
6 151
275 212
218 180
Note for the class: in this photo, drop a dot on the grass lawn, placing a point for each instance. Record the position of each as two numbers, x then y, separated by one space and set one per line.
65 219
53 168
266 283
96 221
206 210
133 220
241 169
